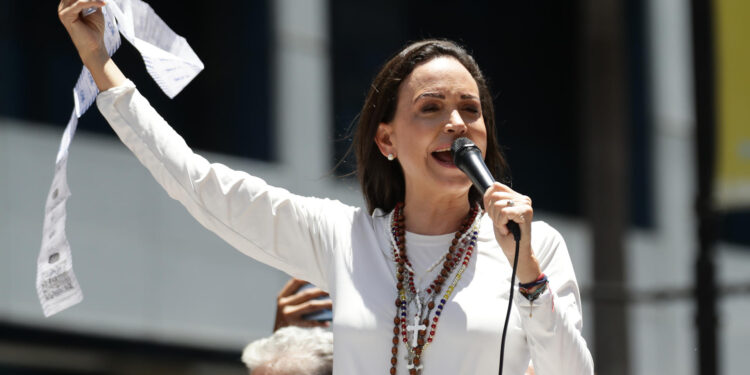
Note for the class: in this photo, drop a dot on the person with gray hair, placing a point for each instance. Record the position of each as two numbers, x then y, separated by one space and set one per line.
291 351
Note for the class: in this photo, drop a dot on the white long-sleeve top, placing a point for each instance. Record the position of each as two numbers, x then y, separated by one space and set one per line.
346 251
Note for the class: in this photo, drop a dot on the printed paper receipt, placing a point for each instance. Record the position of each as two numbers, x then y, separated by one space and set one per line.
172 64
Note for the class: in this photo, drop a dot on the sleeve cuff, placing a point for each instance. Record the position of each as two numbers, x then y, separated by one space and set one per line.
544 304
128 84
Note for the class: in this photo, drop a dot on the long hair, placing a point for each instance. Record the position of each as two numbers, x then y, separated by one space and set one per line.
382 182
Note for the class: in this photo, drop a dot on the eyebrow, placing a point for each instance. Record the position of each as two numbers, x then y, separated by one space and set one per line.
441 96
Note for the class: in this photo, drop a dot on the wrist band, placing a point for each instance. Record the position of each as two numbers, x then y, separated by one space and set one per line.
542 279
533 296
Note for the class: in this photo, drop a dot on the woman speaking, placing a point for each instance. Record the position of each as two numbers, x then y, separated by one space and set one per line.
420 277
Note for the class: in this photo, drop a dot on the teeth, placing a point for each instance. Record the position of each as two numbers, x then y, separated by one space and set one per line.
443 149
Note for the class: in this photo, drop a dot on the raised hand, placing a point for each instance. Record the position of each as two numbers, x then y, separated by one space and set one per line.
87 32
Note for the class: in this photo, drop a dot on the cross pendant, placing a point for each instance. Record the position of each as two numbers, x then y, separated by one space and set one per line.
415 328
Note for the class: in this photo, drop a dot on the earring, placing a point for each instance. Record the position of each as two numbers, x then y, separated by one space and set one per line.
391 157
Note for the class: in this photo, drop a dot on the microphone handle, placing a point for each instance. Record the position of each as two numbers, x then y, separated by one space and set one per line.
483 181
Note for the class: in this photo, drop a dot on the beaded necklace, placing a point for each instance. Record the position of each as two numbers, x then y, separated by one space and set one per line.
413 331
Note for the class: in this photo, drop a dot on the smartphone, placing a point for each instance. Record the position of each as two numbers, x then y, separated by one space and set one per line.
325 315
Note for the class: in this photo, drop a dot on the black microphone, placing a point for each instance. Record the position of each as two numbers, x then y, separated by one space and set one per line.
468 158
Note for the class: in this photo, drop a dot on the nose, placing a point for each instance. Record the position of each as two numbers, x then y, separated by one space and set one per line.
455 123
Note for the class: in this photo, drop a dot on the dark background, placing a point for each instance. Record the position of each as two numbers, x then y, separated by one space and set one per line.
226 108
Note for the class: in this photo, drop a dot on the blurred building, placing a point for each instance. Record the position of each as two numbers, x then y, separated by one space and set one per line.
283 84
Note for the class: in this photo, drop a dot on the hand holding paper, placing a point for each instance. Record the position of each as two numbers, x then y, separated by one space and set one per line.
86 32
96 35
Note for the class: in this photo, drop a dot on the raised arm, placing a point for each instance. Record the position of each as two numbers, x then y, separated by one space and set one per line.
87 33
292 233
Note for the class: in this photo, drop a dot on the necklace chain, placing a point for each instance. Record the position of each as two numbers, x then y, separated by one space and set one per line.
413 332
407 265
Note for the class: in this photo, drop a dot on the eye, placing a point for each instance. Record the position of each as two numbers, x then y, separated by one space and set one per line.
472 109
428 108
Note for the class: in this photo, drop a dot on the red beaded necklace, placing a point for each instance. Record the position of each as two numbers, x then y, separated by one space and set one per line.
459 253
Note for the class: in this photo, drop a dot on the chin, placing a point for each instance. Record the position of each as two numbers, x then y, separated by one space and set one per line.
458 184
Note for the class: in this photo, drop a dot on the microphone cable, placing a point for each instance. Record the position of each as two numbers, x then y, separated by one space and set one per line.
516 230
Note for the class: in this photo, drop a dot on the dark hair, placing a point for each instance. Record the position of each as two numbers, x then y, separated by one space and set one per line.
382 181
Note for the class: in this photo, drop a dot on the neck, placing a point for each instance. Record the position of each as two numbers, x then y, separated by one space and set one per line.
435 215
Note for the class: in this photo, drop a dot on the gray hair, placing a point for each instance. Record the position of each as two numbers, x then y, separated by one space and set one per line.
292 350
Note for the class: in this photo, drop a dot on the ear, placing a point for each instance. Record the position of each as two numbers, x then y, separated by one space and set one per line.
385 139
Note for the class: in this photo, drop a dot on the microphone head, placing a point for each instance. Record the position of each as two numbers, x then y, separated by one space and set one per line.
460 146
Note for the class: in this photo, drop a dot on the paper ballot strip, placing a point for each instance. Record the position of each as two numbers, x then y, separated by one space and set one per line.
172 64
56 284
169 59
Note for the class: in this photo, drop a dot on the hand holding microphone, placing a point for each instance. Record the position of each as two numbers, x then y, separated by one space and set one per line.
510 211
507 209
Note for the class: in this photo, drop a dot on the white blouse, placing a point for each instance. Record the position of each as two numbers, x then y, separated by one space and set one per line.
345 251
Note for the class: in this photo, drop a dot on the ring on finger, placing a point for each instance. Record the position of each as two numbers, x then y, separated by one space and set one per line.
510 203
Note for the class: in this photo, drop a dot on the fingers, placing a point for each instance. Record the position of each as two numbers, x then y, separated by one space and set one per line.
293 313
69 11
501 187
292 304
291 287
502 214
308 307
498 187
498 191
300 297
503 205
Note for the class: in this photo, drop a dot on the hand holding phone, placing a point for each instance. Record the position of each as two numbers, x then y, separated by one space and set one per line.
300 303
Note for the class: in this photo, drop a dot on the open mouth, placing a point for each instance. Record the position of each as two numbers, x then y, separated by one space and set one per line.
443 157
